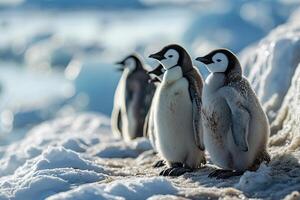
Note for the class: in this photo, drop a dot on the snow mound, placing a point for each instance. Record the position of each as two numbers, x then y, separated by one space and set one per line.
66 132
270 65
55 170
63 154
286 127
253 180
135 188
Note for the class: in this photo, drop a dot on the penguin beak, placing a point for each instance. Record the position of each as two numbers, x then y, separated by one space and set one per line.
122 63
158 56
154 80
206 60
157 71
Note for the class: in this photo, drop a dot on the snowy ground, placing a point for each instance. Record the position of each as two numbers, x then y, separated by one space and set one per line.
77 158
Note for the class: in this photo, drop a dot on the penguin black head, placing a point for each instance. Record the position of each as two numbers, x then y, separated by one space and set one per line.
131 62
174 55
221 61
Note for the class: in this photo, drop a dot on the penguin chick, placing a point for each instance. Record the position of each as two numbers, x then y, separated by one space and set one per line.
177 108
132 99
236 129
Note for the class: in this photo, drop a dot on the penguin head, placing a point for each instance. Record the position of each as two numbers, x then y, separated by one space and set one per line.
131 62
158 73
221 61
173 55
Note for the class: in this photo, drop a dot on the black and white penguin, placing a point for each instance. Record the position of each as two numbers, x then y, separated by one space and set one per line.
177 119
236 129
132 100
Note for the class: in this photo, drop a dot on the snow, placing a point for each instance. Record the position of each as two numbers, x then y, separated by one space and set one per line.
273 60
77 157
135 188
58 155
286 127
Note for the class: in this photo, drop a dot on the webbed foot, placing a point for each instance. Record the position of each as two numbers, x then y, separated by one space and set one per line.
177 169
159 163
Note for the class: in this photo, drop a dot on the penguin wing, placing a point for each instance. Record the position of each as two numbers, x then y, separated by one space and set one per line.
146 125
195 91
240 116
119 123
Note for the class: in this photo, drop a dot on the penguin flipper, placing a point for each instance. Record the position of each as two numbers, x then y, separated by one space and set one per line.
195 91
146 125
240 117
119 123
116 122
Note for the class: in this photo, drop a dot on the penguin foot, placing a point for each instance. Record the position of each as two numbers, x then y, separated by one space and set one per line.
175 171
159 163
224 174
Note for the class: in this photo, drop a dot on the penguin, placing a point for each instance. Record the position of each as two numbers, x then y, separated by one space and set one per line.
177 119
149 131
132 99
236 128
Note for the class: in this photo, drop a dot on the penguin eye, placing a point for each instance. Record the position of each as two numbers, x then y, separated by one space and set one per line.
170 56
219 60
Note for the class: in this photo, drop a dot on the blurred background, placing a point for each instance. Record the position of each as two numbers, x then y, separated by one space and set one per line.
56 56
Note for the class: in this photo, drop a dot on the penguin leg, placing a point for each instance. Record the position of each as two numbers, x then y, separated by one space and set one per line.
159 163
167 171
263 156
224 174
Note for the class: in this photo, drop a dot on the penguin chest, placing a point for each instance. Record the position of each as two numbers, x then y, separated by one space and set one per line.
174 104
216 120
173 119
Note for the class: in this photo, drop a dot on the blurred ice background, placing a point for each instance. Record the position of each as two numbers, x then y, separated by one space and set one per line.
56 56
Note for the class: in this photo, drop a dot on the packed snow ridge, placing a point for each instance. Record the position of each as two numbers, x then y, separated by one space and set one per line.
270 65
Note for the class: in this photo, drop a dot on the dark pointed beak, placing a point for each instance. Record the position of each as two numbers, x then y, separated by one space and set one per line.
122 63
206 60
154 80
157 56
157 71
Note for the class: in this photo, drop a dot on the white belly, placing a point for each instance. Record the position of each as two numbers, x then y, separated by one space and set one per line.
218 139
174 125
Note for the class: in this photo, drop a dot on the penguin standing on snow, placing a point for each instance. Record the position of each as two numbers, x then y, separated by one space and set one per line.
236 129
132 100
177 108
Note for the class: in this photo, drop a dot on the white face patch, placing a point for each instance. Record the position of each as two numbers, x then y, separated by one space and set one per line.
171 59
220 63
130 64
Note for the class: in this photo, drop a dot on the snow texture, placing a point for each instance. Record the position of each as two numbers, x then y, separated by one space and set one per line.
270 65
77 157
58 155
